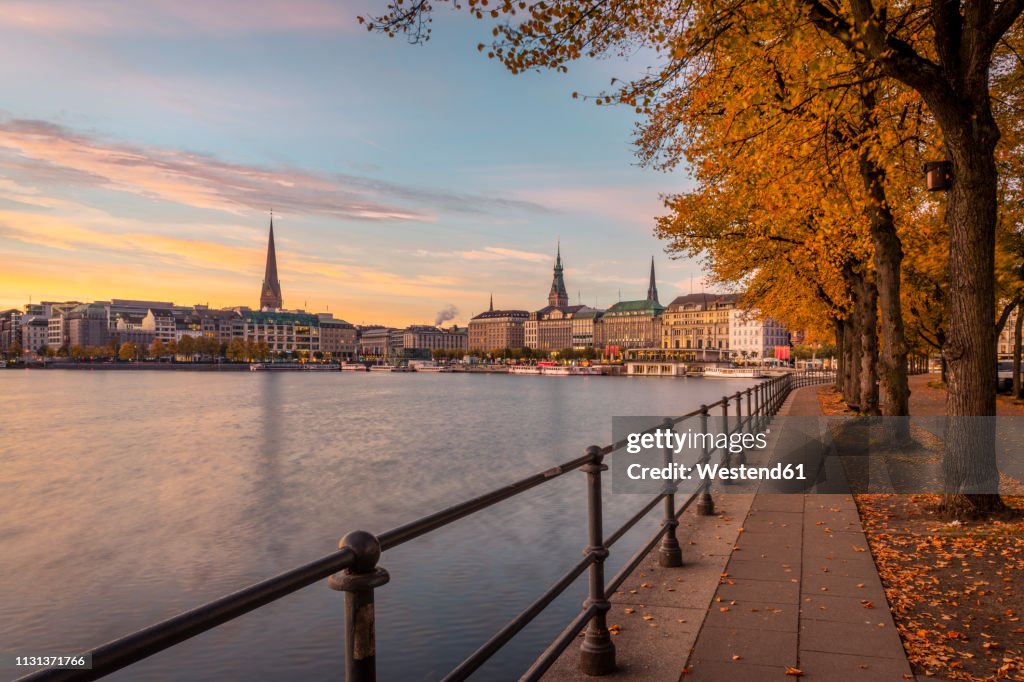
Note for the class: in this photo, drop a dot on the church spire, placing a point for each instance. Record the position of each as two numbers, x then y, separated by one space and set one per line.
490 308
652 288
558 296
270 294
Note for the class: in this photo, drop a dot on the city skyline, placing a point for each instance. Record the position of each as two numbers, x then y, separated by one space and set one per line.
164 136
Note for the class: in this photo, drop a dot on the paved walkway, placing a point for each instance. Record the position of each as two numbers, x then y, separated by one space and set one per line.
771 582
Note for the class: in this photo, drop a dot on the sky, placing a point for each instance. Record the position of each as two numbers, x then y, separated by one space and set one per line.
144 144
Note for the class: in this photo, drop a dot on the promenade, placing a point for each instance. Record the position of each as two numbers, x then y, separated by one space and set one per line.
774 587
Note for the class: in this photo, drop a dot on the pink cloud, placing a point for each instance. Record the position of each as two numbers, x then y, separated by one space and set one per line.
46 154
102 17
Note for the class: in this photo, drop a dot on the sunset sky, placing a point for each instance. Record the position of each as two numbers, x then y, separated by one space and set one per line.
142 145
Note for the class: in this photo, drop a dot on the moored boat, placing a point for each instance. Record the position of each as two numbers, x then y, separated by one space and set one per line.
732 373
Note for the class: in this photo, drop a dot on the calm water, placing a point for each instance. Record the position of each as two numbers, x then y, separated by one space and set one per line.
128 497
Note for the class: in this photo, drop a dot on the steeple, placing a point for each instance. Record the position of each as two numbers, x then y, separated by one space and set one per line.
558 295
652 288
270 294
490 308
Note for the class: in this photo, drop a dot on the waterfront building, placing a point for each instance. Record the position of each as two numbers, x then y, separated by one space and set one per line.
200 321
283 332
34 333
754 336
627 325
497 329
699 322
56 313
270 292
631 324
583 325
338 338
10 321
426 337
551 327
87 325
161 323
373 341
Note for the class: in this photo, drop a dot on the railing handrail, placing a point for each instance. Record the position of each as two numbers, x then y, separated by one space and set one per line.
153 639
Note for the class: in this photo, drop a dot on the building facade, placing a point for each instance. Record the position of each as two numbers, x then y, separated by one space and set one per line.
753 336
699 322
497 329
373 342
551 327
338 338
629 324
283 332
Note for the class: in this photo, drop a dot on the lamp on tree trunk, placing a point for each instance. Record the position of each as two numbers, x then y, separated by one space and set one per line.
938 175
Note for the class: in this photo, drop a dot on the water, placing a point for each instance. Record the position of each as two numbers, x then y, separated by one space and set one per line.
128 497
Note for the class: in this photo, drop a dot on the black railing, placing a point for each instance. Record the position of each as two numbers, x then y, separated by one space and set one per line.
353 568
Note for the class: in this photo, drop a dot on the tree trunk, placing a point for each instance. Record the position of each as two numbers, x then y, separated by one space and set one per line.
868 313
851 387
840 354
888 259
970 459
1017 329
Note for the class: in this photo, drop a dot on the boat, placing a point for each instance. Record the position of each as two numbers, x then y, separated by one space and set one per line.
322 367
524 369
427 366
275 367
353 367
381 368
732 373
3 364
557 371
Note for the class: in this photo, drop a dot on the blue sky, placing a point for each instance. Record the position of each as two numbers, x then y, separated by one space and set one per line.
143 144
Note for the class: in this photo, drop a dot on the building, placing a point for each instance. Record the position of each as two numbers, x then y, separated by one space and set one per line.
10 323
426 337
283 332
56 313
270 292
1004 344
223 325
753 336
699 322
550 328
339 340
161 323
631 324
87 325
497 330
34 333
584 324
373 341
627 325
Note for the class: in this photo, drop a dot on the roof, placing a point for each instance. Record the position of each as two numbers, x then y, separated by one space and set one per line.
632 307
588 314
704 300
273 317
491 314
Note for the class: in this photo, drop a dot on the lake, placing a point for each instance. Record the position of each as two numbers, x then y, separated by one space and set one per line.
131 496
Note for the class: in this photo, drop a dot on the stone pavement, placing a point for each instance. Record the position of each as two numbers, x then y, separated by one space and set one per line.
771 582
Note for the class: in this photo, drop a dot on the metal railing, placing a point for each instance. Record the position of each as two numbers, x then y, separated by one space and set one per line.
353 568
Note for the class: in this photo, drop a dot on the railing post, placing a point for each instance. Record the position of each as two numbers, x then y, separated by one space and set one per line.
597 655
750 414
670 554
726 454
742 458
358 583
706 504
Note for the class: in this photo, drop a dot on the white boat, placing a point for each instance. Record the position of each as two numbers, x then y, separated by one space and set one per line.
276 367
557 371
3 364
428 366
732 373
524 369
353 367
381 368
